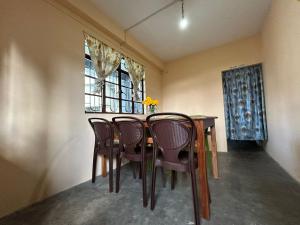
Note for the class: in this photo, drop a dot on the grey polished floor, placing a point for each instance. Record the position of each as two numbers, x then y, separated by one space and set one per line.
252 190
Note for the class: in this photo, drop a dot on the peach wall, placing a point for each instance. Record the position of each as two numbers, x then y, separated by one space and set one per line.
281 53
193 84
46 144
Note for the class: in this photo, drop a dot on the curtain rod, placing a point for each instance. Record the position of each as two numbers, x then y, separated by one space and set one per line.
241 66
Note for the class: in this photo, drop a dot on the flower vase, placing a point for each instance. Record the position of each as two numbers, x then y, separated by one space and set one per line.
151 109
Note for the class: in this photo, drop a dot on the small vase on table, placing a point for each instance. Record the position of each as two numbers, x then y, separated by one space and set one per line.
151 105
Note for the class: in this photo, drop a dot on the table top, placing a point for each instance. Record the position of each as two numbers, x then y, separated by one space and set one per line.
202 117
194 117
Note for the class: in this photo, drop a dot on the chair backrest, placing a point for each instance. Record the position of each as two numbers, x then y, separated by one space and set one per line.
172 133
104 133
131 133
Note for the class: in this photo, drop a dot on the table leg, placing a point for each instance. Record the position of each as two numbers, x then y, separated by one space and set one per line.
214 157
204 192
104 169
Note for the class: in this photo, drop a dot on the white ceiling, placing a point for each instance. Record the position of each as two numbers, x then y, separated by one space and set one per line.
211 23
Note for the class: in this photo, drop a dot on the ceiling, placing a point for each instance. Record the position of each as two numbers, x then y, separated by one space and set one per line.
211 23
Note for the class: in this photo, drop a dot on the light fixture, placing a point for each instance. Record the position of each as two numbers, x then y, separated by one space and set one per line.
183 23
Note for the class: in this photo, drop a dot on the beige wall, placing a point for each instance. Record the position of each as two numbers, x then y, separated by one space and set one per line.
281 52
193 84
46 144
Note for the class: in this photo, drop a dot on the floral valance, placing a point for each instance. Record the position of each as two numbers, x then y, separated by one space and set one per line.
106 60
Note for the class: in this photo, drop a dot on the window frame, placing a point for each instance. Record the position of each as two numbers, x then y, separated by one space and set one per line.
120 99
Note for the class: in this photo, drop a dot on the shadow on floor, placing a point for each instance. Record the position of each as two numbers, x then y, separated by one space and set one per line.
252 190
252 146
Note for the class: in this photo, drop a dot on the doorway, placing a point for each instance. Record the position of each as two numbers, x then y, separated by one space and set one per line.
244 106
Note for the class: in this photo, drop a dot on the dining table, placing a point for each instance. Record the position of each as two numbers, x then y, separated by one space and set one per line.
205 126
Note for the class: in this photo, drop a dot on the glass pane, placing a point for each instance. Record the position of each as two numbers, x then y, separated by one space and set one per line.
89 68
92 103
123 65
125 80
90 86
112 105
93 71
93 86
113 77
126 93
138 108
126 106
112 90
87 83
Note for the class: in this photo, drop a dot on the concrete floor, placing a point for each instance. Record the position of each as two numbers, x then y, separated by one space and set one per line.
252 190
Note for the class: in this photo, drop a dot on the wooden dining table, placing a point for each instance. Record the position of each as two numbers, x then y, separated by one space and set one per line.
205 126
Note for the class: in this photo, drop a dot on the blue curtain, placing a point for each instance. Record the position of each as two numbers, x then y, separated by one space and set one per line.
244 104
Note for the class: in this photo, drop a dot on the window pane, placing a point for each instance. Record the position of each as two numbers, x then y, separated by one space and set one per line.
112 90
126 106
90 86
87 82
112 105
113 77
123 65
89 68
125 80
138 108
126 93
92 103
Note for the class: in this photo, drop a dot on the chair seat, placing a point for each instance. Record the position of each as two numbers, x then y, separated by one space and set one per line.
137 156
184 157
115 149
181 166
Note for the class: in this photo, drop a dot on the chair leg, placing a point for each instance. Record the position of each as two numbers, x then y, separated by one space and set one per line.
118 173
139 165
111 175
132 164
153 187
209 197
144 179
94 166
163 177
173 179
195 197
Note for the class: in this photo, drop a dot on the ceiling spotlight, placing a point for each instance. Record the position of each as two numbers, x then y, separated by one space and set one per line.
183 21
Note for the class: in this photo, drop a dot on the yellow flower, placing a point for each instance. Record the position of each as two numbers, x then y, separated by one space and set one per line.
155 102
149 101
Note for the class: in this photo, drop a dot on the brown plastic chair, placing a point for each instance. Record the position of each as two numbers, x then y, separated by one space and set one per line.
132 145
104 145
174 140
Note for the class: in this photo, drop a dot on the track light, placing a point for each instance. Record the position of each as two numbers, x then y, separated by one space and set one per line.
183 23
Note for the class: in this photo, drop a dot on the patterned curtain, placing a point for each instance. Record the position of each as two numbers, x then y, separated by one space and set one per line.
137 74
104 58
244 104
